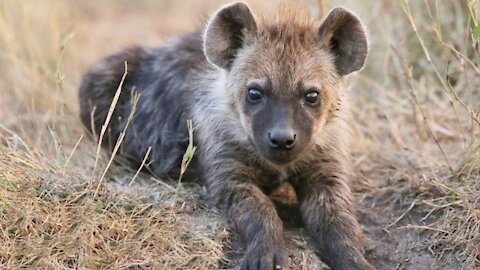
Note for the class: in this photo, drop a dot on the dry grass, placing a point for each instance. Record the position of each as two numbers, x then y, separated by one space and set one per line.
51 220
416 140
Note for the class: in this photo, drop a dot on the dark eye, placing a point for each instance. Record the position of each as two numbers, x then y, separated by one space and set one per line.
311 97
254 94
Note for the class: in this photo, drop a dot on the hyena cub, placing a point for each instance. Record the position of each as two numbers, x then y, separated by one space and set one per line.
267 104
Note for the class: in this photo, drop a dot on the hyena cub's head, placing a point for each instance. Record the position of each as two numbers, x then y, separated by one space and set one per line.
284 75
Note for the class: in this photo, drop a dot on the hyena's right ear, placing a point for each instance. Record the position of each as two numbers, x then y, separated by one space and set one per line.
226 33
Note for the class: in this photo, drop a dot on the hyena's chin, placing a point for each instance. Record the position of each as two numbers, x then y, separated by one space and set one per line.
280 157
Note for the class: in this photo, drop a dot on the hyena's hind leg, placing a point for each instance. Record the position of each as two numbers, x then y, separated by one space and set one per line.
98 89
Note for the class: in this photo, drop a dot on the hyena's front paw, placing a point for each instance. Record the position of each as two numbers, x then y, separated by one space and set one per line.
265 257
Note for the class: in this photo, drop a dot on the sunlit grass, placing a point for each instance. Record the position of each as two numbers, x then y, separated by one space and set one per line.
416 110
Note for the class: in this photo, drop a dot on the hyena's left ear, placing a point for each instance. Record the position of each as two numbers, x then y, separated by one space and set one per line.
346 38
226 33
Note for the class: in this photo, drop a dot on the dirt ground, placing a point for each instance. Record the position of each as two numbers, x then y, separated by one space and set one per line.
415 129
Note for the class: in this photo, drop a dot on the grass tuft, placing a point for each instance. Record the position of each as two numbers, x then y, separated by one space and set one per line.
416 127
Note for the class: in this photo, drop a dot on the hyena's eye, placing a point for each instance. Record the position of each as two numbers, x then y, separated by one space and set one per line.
312 97
254 94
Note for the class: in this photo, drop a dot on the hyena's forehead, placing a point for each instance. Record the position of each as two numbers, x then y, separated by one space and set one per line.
287 50
288 64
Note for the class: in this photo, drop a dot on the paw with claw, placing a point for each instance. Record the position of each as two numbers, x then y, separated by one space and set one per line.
265 257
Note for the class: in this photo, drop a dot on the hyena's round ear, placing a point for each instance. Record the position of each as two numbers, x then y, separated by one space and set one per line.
345 35
226 32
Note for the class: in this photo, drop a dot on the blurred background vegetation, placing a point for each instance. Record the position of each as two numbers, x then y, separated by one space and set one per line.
416 147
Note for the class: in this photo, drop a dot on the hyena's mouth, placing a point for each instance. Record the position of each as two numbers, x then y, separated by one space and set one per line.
280 157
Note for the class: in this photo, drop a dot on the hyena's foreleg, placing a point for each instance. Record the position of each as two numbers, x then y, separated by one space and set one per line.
253 216
326 203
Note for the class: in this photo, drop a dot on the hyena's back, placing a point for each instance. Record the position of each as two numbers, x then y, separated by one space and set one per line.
99 86
162 78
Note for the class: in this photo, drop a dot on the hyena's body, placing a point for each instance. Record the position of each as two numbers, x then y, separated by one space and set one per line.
247 85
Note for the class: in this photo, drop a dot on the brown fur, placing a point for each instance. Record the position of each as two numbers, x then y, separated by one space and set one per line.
285 59
286 54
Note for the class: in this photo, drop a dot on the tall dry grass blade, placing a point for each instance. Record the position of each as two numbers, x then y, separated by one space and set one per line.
141 165
187 158
135 98
71 154
107 121
59 77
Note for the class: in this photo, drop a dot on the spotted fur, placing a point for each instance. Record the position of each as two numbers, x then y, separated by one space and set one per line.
204 76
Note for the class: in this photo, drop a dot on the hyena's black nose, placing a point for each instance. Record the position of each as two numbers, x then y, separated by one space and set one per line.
282 139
